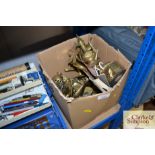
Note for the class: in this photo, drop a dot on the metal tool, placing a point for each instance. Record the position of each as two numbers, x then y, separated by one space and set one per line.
12 71
15 81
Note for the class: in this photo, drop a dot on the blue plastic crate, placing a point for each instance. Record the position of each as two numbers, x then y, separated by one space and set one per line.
47 118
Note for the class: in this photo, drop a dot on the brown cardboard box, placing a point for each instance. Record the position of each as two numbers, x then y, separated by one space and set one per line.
97 121
82 110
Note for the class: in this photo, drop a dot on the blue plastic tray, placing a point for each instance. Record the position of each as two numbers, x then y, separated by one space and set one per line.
52 114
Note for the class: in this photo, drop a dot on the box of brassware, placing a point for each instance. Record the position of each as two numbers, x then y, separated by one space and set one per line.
86 76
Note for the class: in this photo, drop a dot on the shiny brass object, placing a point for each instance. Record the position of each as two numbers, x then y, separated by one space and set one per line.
70 87
58 80
63 83
81 44
74 63
88 91
82 56
87 53
113 72
78 85
89 58
67 86
77 65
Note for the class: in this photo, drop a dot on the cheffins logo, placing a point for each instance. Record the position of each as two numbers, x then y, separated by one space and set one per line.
139 120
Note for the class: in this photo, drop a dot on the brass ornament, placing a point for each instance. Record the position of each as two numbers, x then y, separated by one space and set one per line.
70 87
83 58
88 91
87 54
112 71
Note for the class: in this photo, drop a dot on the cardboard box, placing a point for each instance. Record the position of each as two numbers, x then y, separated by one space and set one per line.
82 110
97 121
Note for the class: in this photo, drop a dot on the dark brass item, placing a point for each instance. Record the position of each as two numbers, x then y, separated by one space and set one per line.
72 87
112 73
82 58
